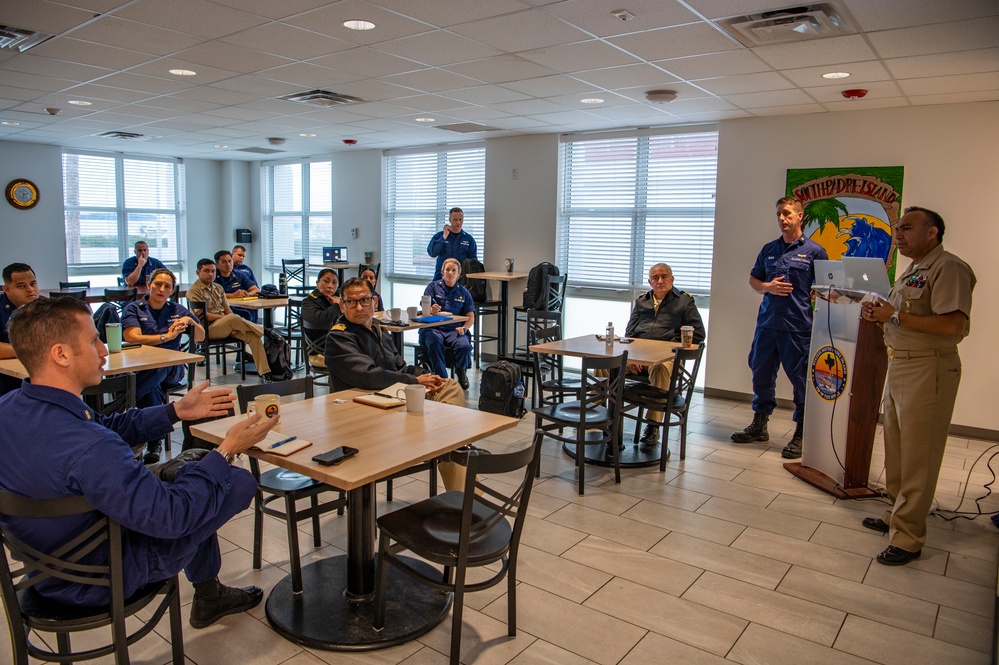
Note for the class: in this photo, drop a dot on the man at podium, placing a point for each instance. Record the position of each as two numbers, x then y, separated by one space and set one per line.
928 312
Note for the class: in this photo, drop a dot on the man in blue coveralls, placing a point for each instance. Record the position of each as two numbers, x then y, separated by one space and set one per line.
19 288
235 283
784 273
452 243
58 447
447 295
137 269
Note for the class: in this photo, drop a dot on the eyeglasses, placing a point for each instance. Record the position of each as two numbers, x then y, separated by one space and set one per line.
350 303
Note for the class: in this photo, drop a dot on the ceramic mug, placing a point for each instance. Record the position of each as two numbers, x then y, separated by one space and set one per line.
269 405
414 395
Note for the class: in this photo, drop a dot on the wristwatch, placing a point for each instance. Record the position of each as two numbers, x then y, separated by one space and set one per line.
893 319
230 457
162 338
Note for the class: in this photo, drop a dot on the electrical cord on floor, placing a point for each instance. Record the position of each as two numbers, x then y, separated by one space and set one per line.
957 513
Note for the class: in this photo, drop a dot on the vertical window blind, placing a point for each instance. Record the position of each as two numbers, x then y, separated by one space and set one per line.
297 211
113 201
627 203
419 189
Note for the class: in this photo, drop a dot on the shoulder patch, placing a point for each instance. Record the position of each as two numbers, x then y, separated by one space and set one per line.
338 326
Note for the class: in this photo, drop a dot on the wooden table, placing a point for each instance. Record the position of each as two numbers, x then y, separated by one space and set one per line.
268 305
336 608
339 266
504 278
95 294
397 330
645 352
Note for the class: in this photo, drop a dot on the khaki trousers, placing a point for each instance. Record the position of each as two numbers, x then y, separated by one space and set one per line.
659 376
919 402
451 473
232 325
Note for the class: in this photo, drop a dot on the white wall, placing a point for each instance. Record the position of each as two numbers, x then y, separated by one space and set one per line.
357 203
36 236
951 160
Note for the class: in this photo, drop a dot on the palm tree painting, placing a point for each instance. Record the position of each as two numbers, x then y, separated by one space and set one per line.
824 211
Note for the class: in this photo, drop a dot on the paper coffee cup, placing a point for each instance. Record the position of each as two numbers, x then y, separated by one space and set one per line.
687 336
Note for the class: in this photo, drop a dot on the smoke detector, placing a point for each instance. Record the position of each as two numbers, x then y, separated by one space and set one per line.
661 96
276 140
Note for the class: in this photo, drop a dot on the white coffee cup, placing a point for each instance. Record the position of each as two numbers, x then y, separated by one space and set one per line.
395 313
412 312
414 395
269 405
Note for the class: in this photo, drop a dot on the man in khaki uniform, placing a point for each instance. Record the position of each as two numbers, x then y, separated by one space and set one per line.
219 319
927 314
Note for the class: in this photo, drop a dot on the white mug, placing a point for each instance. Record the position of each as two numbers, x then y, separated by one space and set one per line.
269 405
395 314
412 312
414 395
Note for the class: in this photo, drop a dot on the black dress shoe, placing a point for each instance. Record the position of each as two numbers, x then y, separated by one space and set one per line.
875 524
896 556
462 379
222 601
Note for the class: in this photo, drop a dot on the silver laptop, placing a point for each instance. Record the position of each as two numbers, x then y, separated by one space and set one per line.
829 273
866 274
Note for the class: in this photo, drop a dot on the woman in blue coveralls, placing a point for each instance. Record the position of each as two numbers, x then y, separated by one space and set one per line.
158 321
447 295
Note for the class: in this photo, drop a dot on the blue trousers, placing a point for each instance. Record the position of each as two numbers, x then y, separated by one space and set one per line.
436 340
150 384
779 348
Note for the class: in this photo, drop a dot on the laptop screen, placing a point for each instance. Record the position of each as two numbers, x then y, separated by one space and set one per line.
866 274
334 254
829 273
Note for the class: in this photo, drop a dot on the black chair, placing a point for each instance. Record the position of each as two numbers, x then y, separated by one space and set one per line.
595 414
80 294
74 285
554 302
120 297
537 320
122 283
674 403
221 345
280 483
459 530
114 394
377 267
28 611
294 271
314 338
551 386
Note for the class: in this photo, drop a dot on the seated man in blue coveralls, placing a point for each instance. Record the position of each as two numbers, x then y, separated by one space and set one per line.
137 269
235 283
784 274
58 447
19 288
238 262
447 295
452 242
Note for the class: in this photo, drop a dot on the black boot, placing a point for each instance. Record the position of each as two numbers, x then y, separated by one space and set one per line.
757 430
153 450
793 449
214 600
462 378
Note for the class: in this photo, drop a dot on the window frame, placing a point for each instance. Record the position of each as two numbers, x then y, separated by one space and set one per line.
305 214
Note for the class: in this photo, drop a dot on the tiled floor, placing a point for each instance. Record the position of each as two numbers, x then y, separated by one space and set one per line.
724 558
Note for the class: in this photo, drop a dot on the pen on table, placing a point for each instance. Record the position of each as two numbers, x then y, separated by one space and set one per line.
283 441
386 395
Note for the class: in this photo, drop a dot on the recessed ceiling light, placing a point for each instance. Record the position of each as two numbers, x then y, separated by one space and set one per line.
425 120
307 135
592 100
9 123
356 24
183 72
836 75
221 145
79 102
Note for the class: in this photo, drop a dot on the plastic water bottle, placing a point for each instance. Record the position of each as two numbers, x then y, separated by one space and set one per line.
519 390
609 333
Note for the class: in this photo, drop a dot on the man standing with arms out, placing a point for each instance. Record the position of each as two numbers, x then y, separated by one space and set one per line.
57 447
220 320
927 314
659 314
137 269
19 288
784 274
238 258
235 284
452 243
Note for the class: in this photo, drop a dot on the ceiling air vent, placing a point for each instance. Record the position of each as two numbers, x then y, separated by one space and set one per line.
260 151
19 39
793 24
467 128
323 98
127 136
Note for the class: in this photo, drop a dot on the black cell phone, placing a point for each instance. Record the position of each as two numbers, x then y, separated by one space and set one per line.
335 456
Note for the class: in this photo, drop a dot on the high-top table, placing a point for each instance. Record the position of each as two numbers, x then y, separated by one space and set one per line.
397 329
95 294
339 266
504 278
645 352
336 607
268 305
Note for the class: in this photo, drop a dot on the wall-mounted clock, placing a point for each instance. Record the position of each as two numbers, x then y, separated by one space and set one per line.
22 193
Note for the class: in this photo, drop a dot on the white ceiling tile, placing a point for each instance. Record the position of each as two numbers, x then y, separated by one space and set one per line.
955 98
329 21
212 95
271 9
231 57
41 15
205 73
500 69
959 36
723 8
731 85
887 14
683 90
257 85
684 106
486 94
239 113
625 77
88 53
93 93
866 104
115 31
948 84
771 98
564 118
21 94
373 90
849 48
636 112
288 41
528 107
595 15
437 48
148 84
521 31
675 42
177 104
197 17
309 76
875 90
517 122
548 86
144 111
481 114
579 57
860 72
945 64
33 64
366 61
452 12
431 80
429 103
33 81
728 63
799 109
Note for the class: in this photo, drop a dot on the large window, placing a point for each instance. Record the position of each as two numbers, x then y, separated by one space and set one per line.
113 201
420 187
298 211
628 202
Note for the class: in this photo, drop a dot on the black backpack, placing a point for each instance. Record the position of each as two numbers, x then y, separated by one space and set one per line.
278 356
535 295
477 287
496 390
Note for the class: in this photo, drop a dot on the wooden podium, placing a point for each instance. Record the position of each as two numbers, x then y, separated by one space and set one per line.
846 379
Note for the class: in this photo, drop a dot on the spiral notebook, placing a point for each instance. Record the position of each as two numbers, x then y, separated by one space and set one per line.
277 443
